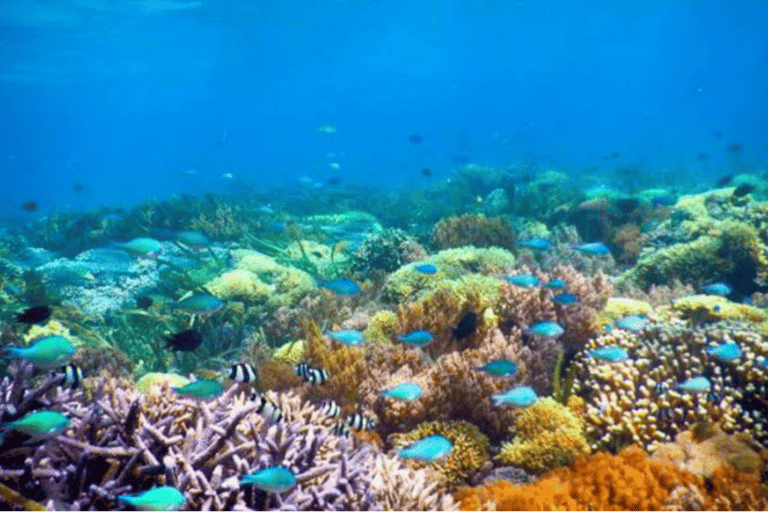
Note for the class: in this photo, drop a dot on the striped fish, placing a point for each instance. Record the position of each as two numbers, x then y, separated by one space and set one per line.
243 372
73 376
314 376
330 408
340 429
266 407
361 422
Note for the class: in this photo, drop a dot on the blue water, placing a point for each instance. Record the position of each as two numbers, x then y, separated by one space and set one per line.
121 97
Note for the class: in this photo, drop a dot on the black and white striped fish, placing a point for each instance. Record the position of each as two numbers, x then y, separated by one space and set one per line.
73 376
267 408
361 422
330 408
314 376
340 429
243 372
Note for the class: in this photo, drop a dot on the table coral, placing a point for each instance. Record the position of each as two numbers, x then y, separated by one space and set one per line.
548 435
469 453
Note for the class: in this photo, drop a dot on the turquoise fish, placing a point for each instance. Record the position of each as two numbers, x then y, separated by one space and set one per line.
499 368
696 385
201 389
274 479
49 352
632 323
39 425
565 299
429 449
193 239
418 338
520 397
726 352
159 498
721 289
347 337
404 392
593 249
426 268
343 287
547 329
200 304
554 284
146 247
610 353
541 244
523 280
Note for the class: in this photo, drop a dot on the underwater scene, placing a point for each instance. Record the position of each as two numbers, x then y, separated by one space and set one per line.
383 255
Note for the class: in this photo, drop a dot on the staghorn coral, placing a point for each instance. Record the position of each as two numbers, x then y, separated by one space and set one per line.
472 229
547 435
469 453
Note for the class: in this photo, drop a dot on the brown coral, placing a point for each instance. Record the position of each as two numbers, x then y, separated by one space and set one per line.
472 229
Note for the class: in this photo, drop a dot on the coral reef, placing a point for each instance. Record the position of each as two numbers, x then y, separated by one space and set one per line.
472 229
385 250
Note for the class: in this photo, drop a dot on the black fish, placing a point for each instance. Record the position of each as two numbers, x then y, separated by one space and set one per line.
725 180
627 205
29 206
73 376
333 181
743 190
718 134
35 315
77 188
702 156
185 341
143 302
466 326
415 138
242 372
736 147
426 171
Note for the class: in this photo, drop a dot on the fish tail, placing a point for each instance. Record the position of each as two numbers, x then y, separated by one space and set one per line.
13 353
497 400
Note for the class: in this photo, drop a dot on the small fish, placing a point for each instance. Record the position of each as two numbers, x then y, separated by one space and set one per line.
34 315
743 189
426 268
429 449
499 368
73 376
266 407
265 210
361 422
276 227
627 205
554 284
159 498
243 372
38 425
343 287
49 352
418 338
228 176
330 408
736 147
466 326
426 171
546 329
610 353
523 280
696 385
201 389
184 341
29 206
194 239
726 352
415 138
632 323
565 299
404 392
275 479
663 200
724 181
200 304
350 337
594 249
521 397
145 247
541 244
144 302
341 429
314 376
327 129
721 289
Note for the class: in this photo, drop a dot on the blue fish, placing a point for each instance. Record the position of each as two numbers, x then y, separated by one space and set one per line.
418 338
547 329
696 385
663 200
38 425
194 239
632 323
404 392
594 249
523 396
426 268
429 449
499 368
146 247
274 479
554 284
49 352
523 280
276 227
721 289
201 389
747 300
343 287
726 352
199 304
610 353
159 498
565 299
347 337
541 244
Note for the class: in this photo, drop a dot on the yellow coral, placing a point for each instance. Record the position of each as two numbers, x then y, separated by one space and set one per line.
288 284
712 308
382 327
241 285
52 328
548 435
291 353
618 307
152 379
471 448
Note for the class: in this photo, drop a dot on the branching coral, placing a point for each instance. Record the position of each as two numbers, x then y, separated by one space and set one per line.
469 453
472 229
